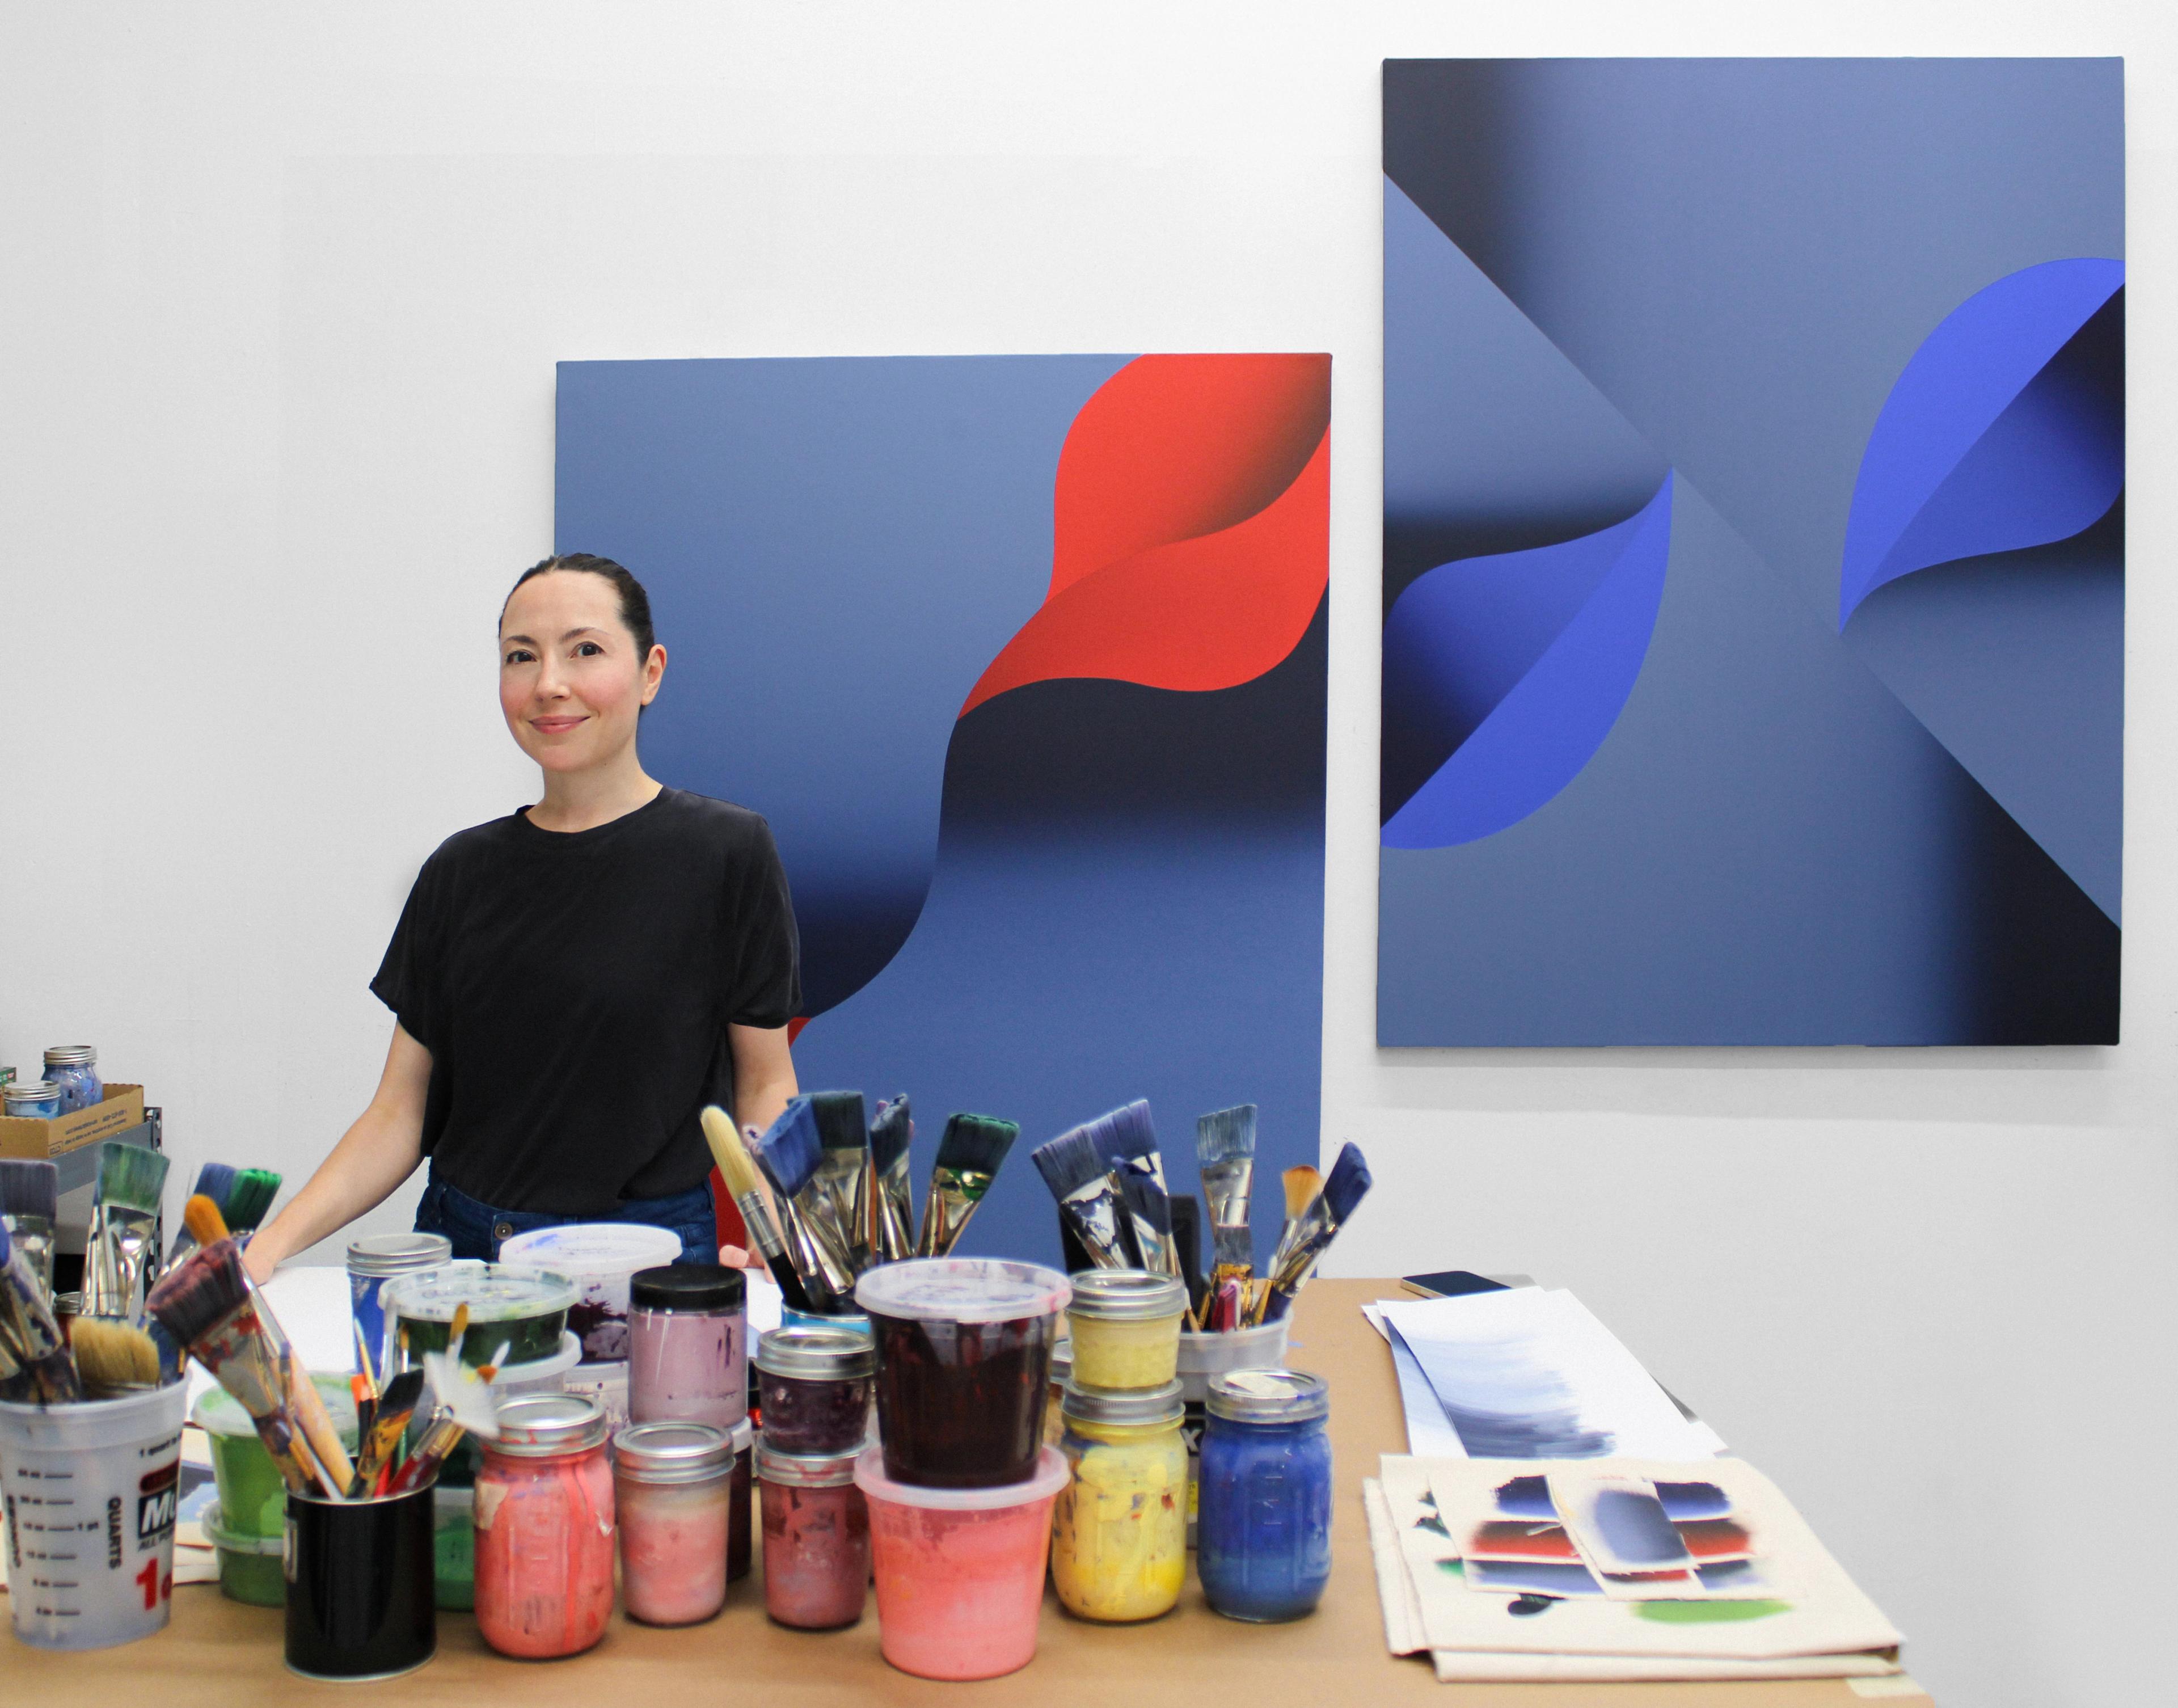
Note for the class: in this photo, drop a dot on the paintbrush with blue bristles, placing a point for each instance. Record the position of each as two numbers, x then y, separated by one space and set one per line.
892 1186
1295 1259
31 1206
788 1153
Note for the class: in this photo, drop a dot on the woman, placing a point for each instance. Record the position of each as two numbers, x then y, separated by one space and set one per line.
573 983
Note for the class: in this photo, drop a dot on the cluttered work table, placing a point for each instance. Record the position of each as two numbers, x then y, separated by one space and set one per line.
221 1651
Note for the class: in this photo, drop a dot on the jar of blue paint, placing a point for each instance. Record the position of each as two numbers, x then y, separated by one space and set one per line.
1263 1541
73 1069
33 1098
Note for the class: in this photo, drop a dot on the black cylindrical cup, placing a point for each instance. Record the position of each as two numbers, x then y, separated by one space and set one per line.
359 1585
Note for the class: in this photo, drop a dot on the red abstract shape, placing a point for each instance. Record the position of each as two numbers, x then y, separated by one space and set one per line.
1190 523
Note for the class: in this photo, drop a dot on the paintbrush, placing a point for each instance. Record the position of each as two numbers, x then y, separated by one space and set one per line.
215 1181
1225 1151
206 1304
35 1358
968 1159
246 1202
1342 1189
465 1405
843 1172
1187 1240
1081 1182
1302 1184
1126 1139
788 1154
389 1422
892 1184
746 1186
113 1358
31 1206
124 1231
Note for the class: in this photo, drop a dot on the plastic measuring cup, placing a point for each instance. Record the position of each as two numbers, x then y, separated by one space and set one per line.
960 1572
253 1499
601 1258
90 1492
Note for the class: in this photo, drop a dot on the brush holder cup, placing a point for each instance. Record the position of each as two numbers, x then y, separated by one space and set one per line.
964 1366
359 1586
1203 1358
109 1465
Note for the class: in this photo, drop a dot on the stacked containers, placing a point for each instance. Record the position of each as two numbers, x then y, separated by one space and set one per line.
602 1259
961 1484
814 1387
1119 1549
246 1526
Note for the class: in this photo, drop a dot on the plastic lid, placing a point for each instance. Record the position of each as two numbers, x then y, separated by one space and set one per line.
962 1289
667 1453
594 1248
395 1254
494 1292
806 1469
1270 1396
688 1287
1125 1295
816 1354
534 1426
213 1523
1050 1477
1137 1406
744 1435
71 1055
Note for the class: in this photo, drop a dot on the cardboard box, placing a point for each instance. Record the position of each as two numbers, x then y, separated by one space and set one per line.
26 1135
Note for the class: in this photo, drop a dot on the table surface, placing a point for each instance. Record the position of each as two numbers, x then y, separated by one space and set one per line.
219 1652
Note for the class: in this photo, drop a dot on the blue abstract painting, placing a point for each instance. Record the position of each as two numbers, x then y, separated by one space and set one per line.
1024 659
1754 552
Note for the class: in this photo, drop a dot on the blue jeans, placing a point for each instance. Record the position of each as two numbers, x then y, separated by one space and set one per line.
478 1230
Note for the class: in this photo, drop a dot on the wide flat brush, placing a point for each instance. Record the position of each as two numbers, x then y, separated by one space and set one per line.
745 1187
969 1156
1343 1189
124 1231
34 1359
1126 1138
1080 1179
215 1181
245 1202
31 1206
892 1184
788 1153
843 1172
113 1358
1225 1152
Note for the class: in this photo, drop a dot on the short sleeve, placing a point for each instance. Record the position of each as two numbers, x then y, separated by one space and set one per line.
407 980
762 954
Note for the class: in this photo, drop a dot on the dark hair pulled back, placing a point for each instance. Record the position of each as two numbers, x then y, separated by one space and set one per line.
634 602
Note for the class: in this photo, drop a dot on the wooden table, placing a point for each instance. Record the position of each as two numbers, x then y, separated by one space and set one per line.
221 1652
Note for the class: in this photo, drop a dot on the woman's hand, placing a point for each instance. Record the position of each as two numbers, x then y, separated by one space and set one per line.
374 1157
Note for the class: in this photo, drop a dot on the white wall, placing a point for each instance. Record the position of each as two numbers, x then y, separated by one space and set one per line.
282 294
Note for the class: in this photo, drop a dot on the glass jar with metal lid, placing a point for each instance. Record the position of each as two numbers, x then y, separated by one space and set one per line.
674 1483
816 1539
73 1068
1118 1530
38 1099
1125 1327
1263 1541
544 1525
371 1262
813 1386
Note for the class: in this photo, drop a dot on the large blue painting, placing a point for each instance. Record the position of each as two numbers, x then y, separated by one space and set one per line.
1754 552
1024 658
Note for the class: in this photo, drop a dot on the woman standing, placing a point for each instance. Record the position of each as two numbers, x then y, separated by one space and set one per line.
571 984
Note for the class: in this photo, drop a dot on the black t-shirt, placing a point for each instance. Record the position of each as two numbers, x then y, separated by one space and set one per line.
574 990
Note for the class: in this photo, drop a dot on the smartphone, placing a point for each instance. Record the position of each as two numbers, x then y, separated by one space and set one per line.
1450 1284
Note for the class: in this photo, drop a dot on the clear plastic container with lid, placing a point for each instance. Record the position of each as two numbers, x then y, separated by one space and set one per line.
687 1345
816 1539
1263 1542
813 1385
521 1308
1126 1328
1119 1531
37 1099
544 1522
964 1358
674 1482
73 1069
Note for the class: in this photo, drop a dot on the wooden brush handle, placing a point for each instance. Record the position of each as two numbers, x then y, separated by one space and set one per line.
318 1429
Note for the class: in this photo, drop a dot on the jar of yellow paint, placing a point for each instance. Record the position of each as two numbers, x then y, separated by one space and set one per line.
1126 1328
1118 1530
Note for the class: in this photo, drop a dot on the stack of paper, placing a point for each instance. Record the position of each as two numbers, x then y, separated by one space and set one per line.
1527 1373
1611 1568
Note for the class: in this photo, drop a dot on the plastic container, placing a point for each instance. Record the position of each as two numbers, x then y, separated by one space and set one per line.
98 1465
358 1580
1125 1327
545 1521
673 1485
1205 1357
960 1572
249 1568
687 1345
964 1358
252 1498
814 1387
453 1546
523 1308
34 1099
1118 1530
73 1067
606 1384
601 1258
816 1539
373 1261
1263 1546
